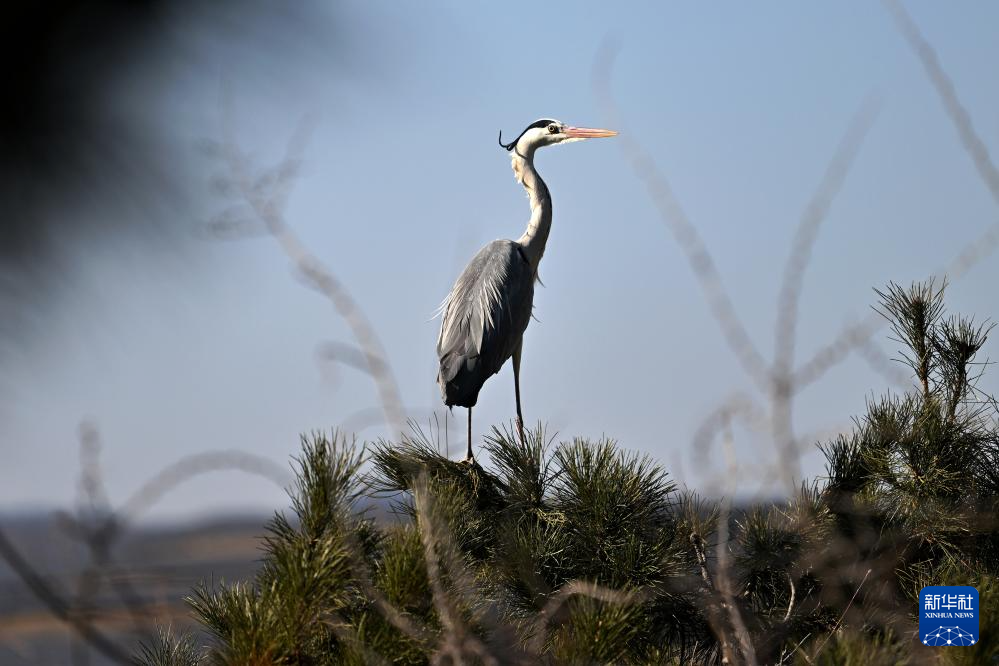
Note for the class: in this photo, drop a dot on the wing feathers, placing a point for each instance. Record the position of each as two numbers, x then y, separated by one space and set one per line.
484 318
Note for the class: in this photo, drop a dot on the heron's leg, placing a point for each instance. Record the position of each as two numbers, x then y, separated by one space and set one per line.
468 455
516 390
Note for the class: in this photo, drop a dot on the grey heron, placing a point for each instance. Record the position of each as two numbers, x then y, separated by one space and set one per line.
485 315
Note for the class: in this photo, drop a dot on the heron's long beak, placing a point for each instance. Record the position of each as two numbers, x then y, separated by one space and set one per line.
587 133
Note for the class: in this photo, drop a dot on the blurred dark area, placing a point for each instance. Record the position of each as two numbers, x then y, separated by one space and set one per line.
63 140
84 152
55 123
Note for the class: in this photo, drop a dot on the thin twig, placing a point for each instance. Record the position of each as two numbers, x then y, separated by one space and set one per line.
99 534
880 363
974 251
724 583
457 637
839 620
573 589
792 283
790 602
947 93
407 625
266 197
785 654
168 478
684 232
426 524
58 606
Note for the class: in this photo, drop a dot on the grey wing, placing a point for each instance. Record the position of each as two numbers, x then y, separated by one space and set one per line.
484 318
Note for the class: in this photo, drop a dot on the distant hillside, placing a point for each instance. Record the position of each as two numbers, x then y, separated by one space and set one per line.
159 564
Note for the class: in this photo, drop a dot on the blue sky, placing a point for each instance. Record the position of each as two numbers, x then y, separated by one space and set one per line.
741 106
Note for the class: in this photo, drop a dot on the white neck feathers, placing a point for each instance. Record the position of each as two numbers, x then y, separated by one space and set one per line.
536 235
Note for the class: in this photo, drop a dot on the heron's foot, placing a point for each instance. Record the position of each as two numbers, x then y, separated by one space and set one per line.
520 429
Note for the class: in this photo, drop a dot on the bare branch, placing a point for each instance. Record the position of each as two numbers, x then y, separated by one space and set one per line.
267 194
57 605
972 253
790 602
807 232
789 297
572 589
839 620
684 232
195 465
724 582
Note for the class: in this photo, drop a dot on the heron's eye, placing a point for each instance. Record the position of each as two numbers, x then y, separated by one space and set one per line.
553 129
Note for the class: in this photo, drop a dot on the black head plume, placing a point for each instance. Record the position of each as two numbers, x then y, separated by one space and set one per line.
544 122
508 146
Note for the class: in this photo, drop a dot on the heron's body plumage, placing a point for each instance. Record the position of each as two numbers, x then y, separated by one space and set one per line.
483 320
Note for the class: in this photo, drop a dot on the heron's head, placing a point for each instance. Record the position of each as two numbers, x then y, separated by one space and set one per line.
548 132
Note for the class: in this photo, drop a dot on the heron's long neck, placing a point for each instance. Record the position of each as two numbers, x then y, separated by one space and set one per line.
534 238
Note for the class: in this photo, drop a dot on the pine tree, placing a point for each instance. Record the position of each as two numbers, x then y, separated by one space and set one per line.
581 552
